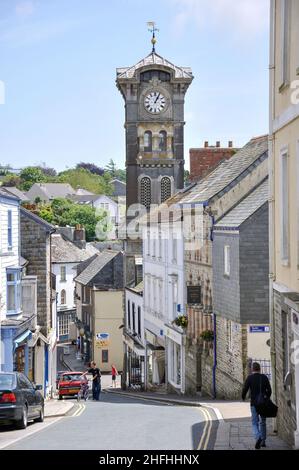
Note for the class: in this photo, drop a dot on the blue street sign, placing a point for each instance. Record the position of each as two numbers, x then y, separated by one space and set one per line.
259 329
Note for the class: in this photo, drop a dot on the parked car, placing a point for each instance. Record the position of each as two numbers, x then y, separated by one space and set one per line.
58 375
20 400
70 384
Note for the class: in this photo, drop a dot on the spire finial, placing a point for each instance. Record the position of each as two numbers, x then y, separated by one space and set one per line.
152 28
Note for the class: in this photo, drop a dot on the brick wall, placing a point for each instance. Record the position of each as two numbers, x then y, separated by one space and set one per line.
205 159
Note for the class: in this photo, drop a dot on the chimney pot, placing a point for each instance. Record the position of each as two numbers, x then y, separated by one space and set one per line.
218 143
206 143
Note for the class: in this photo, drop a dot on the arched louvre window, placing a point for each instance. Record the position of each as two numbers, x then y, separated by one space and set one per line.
145 191
165 188
163 141
148 141
63 297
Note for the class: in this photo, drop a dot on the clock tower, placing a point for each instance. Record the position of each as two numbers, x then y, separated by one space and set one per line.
154 93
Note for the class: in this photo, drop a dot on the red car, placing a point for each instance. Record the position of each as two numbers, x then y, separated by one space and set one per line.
70 384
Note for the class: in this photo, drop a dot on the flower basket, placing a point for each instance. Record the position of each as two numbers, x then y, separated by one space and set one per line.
207 335
181 321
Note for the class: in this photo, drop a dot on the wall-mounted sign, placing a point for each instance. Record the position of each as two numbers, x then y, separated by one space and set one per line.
102 340
193 295
295 321
259 329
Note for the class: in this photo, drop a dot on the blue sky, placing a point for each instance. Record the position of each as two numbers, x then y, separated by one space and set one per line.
58 61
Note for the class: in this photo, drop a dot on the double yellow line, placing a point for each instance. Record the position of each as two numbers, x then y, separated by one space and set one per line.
79 411
206 434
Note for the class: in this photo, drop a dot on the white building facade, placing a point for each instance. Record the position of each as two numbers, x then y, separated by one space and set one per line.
164 300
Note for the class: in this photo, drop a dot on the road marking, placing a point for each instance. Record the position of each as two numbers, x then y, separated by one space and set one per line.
35 429
140 398
79 411
204 441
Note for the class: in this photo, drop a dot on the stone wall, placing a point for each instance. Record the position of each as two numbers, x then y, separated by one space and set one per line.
231 368
285 398
36 248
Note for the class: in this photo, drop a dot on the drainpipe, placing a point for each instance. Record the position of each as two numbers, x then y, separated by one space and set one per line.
272 196
215 356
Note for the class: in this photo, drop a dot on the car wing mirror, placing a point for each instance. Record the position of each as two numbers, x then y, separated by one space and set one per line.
38 387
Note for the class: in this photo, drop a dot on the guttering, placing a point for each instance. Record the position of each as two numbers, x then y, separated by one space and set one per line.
271 163
215 356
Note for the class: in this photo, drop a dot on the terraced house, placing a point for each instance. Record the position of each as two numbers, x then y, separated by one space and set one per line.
284 214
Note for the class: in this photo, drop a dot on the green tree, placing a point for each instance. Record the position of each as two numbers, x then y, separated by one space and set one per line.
111 167
31 175
46 213
11 180
82 178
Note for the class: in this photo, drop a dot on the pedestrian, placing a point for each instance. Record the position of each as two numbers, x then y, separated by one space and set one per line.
114 374
96 380
78 343
259 386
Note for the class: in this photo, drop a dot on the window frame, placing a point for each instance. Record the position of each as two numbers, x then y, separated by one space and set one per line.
284 207
9 230
227 261
63 277
106 351
17 283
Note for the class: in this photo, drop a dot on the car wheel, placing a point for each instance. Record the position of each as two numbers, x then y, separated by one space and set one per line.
41 417
22 424
60 397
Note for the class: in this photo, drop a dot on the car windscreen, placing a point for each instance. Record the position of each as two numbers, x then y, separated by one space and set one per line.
7 381
69 377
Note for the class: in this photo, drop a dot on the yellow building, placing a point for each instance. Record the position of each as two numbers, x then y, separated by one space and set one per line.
107 337
284 213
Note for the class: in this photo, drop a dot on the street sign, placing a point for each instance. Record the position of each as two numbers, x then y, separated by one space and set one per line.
102 340
259 329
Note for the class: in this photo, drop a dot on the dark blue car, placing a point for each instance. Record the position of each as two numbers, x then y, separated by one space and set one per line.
20 400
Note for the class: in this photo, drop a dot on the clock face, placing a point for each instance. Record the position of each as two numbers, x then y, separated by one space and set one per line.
154 102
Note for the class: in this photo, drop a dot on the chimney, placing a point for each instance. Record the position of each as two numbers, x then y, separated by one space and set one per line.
230 143
218 143
79 236
206 143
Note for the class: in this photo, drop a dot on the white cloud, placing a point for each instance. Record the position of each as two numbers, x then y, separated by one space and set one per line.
244 18
24 8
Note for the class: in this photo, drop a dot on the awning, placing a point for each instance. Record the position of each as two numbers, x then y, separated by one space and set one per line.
22 337
33 340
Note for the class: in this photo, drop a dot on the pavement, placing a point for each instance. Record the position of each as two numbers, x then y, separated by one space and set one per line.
57 408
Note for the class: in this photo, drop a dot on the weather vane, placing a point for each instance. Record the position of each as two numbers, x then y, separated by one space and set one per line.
152 28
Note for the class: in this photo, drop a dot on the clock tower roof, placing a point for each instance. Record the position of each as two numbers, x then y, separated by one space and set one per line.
154 60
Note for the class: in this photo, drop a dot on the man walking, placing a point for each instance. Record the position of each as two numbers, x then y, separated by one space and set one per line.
96 380
259 385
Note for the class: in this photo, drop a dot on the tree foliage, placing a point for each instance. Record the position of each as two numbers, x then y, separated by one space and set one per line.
94 169
31 175
81 178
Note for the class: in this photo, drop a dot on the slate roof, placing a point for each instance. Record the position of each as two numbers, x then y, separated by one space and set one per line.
119 187
96 265
64 251
154 59
4 193
247 207
54 190
89 199
15 192
137 289
228 172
